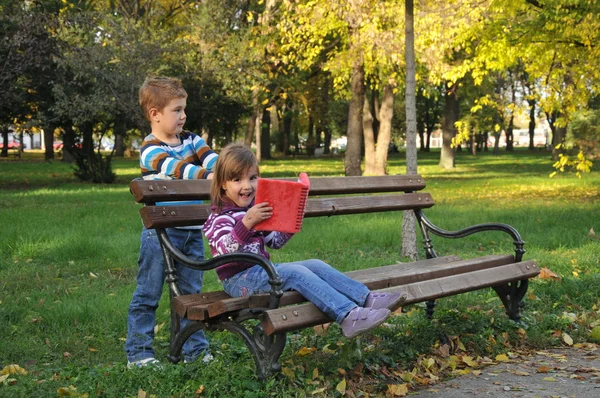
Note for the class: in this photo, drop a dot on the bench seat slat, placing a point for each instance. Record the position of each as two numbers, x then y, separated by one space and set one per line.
401 274
179 216
153 191
375 279
305 315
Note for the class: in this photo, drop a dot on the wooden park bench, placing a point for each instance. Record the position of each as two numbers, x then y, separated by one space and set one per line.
277 313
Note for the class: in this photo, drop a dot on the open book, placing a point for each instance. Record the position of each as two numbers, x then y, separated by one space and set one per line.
288 200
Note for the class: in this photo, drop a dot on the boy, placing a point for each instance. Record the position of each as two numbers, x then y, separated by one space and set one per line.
167 153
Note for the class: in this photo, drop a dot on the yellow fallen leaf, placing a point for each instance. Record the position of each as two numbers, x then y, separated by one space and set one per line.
13 369
470 361
549 379
3 378
341 387
318 391
521 373
200 390
70 391
567 339
397 390
502 358
315 373
142 393
305 351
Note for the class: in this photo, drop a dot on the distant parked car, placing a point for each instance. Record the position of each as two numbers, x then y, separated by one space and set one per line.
12 145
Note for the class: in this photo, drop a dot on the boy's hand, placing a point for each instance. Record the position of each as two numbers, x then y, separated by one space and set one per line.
256 214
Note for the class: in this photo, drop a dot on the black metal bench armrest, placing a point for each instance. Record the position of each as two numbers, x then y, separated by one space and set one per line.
427 226
171 252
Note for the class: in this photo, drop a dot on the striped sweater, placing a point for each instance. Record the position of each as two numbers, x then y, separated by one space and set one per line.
226 233
192 158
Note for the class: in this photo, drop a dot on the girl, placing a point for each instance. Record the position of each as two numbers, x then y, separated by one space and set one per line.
229 229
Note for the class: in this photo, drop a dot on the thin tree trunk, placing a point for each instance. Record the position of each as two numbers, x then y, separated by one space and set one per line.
354 131
287 127
409 222
449 118
531 124
265 141
4 153
369 137
384 137
252 120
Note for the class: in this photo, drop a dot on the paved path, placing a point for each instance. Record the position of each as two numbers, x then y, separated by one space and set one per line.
571 372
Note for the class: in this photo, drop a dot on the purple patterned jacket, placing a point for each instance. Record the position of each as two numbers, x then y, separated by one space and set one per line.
226 233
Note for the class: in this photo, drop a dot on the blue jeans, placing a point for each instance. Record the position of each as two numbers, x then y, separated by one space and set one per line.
150 281
331 291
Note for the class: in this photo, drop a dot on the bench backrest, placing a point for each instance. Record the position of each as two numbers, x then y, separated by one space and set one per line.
328 196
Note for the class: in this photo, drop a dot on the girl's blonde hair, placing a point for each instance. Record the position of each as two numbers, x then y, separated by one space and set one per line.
233 161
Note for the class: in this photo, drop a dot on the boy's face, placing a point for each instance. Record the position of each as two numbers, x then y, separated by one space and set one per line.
171 119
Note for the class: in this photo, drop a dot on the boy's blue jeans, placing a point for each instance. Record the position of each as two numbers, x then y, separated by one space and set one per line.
331 291
150 282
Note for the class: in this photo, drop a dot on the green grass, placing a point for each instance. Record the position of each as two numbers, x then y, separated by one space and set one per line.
68 256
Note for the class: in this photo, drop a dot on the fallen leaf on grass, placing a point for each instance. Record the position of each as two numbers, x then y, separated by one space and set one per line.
13 369
3 378
200 390
305 351
397 390
318 391
321 330
567 339
502 358
549 379
545 273
341 387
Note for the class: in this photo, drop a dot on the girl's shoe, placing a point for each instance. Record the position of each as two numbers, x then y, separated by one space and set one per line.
361 319
391 301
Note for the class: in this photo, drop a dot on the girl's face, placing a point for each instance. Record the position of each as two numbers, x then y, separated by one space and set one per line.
242 190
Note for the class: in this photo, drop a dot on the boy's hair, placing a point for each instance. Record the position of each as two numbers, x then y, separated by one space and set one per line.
158 91
232 162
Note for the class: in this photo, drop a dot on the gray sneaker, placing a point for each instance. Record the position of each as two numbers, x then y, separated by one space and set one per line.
146 362
361 319
391 301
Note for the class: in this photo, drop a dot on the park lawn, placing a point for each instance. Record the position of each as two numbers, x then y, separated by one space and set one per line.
68 257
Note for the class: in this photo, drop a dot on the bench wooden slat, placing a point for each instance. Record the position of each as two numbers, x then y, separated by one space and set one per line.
305 315
401 274
375 279
153 191
179 216
181 304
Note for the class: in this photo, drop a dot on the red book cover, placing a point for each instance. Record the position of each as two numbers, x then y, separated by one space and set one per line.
288 200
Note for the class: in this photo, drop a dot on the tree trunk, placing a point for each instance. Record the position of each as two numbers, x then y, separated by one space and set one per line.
560 133
369 137
409 222
310 140
384 137
354 131
531 124
252 119
49 140
327 141
509 134
120 128
265 135
68 142
449 117
287 127
4 152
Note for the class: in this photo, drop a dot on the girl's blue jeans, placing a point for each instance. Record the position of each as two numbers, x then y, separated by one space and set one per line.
150 281
331 291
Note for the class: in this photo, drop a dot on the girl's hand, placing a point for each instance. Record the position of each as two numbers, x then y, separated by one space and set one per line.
256 214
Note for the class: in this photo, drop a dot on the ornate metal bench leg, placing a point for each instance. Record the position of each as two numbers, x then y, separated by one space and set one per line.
430 309
266 350
179 337
512 295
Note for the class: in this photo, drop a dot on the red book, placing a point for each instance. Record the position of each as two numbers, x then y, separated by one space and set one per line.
288 200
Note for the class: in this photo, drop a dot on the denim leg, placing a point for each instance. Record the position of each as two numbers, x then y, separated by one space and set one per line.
354 290
190 282
294 277
142 309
